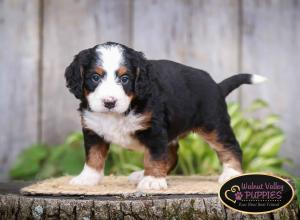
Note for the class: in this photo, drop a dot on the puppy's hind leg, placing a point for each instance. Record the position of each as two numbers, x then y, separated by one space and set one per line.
227 148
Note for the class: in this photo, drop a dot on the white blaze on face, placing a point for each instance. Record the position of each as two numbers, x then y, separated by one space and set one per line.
111 58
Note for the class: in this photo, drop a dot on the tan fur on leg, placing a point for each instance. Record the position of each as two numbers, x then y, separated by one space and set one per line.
137 176
92 172
231 164
154 174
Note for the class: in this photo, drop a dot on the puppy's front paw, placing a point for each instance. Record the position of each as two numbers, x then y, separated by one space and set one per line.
87 177
136 177
151 182
228 173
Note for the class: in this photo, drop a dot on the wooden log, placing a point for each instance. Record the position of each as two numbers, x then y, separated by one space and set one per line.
188 206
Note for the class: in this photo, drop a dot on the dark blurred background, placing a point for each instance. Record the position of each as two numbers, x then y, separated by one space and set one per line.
38 39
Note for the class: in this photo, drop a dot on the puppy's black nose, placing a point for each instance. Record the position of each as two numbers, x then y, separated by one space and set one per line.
111 103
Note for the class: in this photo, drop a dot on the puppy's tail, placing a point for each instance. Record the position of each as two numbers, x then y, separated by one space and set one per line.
233 82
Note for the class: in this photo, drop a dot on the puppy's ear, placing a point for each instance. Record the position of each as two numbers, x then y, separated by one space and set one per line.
143 79
74 73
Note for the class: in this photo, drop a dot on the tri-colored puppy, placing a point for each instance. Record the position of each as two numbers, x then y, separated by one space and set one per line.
148 105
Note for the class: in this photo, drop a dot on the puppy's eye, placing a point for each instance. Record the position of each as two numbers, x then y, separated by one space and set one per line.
124 79
95 77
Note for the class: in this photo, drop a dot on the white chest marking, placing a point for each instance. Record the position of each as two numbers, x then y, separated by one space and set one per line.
115 128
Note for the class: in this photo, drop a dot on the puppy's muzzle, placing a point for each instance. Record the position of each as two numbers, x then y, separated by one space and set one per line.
109 103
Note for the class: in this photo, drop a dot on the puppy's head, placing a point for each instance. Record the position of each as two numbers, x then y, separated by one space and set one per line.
106 76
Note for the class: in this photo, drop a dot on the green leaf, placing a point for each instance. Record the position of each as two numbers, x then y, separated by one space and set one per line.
57 153
47 170
24 169
35 152
257 105
236 120
72 162
27 164
75 138
233 108
297 184
245 135
272 146
271 119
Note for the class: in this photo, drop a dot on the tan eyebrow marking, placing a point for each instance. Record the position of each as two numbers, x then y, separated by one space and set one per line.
99 70
121 71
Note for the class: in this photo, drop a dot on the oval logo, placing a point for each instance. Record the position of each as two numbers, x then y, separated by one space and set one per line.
256 193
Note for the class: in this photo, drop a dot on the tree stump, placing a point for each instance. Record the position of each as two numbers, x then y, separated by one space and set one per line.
13 205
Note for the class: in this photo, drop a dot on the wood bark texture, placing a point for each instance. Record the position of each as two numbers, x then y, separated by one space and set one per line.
197 206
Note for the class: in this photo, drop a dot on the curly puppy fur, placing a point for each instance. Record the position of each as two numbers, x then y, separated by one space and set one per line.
148 105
